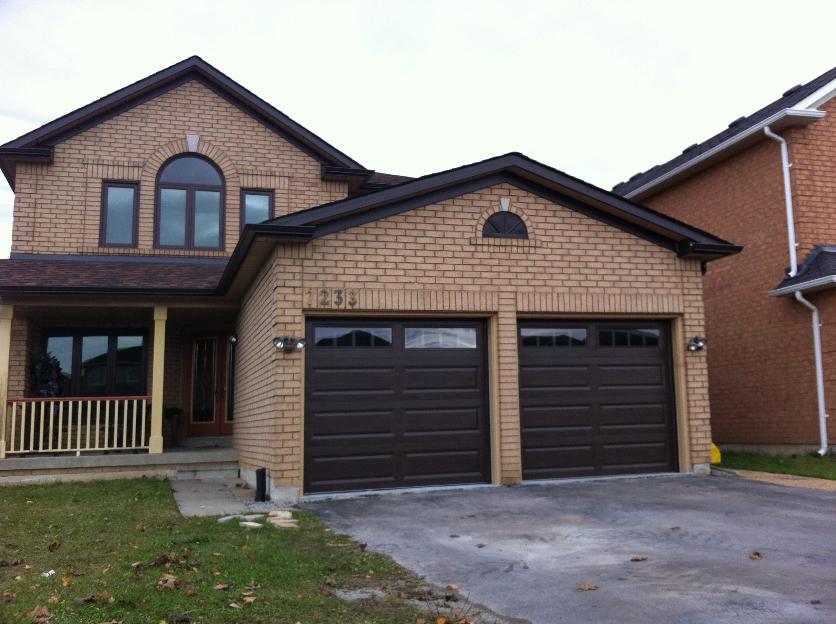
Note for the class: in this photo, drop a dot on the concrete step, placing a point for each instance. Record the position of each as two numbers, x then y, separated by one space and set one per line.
209 472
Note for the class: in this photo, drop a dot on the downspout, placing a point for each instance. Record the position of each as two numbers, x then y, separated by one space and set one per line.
785 166
819 371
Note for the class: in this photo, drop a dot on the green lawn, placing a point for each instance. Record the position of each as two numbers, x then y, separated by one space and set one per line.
92 533
803 465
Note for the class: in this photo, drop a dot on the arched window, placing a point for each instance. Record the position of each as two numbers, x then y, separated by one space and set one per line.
504 225
190 200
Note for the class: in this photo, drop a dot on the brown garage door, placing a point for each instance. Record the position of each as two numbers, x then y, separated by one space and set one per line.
395 403
596 398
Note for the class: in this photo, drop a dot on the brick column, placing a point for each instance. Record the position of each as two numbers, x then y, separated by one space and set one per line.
508 391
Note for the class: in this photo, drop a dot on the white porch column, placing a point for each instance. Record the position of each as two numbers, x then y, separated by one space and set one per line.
6 314
155 443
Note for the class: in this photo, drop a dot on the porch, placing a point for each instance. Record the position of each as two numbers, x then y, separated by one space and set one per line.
109 387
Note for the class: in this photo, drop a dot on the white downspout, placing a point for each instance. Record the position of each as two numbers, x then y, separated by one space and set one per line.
785 166
819 372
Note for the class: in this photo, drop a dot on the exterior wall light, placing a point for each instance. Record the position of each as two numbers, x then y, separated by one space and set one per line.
232 339
288 344
697 343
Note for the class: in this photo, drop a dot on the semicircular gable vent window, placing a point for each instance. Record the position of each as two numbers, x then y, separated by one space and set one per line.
504 225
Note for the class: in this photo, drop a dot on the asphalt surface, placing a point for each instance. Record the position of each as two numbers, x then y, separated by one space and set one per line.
522 552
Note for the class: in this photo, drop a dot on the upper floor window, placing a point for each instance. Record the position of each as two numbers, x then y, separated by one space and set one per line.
504 225
256 206
190 198
120 201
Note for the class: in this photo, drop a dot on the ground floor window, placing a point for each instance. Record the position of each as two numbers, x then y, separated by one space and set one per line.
91 363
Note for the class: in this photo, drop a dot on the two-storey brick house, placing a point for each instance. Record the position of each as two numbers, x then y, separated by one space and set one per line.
189 266
766 182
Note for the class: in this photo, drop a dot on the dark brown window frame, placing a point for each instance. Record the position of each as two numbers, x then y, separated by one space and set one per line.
106 184
271 194
190 206
77 333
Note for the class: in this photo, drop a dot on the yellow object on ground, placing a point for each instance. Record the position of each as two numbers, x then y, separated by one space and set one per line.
716 457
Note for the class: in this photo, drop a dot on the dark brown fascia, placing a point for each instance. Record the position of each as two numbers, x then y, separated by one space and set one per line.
10 156
356 177
155 84
252 232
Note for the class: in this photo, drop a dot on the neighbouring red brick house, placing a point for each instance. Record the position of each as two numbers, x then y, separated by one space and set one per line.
780 205
198 283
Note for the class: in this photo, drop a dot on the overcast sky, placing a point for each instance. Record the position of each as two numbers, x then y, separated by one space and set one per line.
597 89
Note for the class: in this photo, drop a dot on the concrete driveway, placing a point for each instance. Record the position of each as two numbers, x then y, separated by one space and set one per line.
522 552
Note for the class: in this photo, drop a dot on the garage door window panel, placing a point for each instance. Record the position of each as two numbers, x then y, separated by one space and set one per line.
440 337
353 337
553 337
633 337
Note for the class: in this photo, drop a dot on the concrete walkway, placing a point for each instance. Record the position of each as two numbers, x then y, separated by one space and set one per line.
828 485
216 497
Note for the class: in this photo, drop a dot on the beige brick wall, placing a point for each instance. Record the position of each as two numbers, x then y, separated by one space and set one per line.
57 206
433 259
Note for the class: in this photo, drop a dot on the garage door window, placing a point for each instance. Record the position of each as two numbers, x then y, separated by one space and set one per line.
440 337
553 337
628 337
353 337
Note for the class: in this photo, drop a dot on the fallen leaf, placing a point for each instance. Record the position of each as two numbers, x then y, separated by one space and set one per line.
325 592
330 581
92 598
8 596
251 586
249 599
638 558
54 546
222 586
420 621
66 581
168 581
53 600
216 554
755 556
41 614
442 619
190 593
234 605
76 573
216 572
140 527
452 587
587 587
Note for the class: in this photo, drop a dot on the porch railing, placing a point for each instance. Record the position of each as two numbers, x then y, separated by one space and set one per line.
77 424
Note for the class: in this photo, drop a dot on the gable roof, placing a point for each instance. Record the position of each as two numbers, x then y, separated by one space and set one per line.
37 145
796 106
525 173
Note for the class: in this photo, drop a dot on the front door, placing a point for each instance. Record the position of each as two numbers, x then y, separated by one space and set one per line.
209 412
